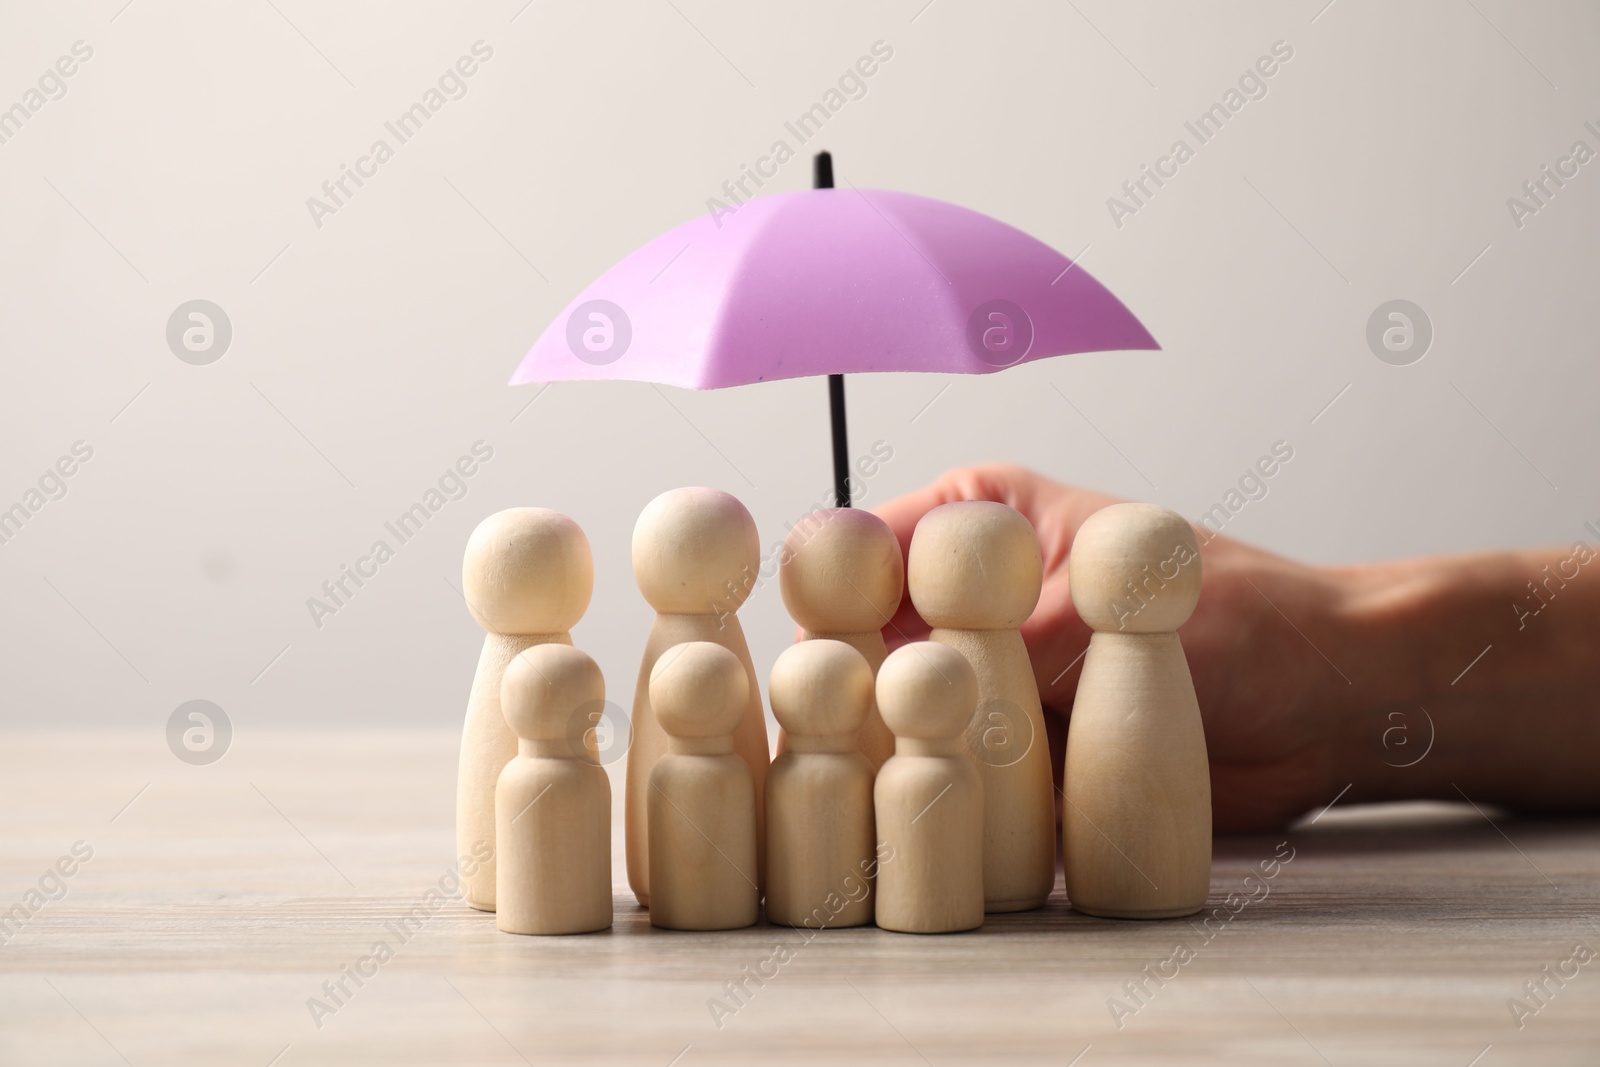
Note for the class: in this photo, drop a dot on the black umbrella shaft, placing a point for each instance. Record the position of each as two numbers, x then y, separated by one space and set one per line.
822 178
841 441
822 171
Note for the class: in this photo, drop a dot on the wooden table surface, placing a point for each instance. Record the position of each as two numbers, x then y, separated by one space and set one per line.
219 899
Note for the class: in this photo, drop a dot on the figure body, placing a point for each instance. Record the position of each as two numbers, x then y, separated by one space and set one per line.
820 833
842 578
702 808
695 559
527 577
928 796
553 800
1137 831
975 572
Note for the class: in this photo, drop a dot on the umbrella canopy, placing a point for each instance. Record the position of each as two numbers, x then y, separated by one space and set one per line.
830 281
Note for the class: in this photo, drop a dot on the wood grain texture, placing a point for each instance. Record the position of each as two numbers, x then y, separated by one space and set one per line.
842 577
526 577
974 572
702 812
820 826
696 558
1136 838
649 741
1136 825
553 801
928 799
222 897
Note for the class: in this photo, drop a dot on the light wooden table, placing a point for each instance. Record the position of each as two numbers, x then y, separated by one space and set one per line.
220 898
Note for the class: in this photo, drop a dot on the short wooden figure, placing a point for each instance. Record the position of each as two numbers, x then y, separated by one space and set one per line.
842 577
928 795
527 577
1136 829
696 556
975 572
820 833
553 802
702 798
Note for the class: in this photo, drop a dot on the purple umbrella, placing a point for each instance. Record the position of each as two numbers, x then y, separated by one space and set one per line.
830 281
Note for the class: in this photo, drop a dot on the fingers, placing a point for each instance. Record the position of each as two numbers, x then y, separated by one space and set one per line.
1056 640
1055 510
1054 634
1003 483
904 512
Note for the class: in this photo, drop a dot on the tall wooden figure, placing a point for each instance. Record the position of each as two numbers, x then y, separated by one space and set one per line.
975 573
841 577
1137 826
696 555
929 798
553 802
819 792
527 577
702 797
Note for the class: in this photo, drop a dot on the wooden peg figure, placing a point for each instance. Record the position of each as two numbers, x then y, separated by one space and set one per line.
702 797
696 555
527 577
820 832
841 576
975 572
553 801
1136 832
928 795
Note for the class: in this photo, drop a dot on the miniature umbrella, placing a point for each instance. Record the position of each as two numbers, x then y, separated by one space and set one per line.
830 281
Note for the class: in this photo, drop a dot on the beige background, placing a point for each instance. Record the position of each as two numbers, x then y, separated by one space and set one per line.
369 353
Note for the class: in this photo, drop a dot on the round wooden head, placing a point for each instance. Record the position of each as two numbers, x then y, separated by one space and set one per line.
544 686
527 571
841 572
1135 568
927 690
820 687
695 552
699 689
974 565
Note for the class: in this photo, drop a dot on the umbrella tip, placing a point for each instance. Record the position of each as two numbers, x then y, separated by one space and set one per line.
822 170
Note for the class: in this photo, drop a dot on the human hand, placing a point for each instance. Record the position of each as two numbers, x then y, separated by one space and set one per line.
1268 696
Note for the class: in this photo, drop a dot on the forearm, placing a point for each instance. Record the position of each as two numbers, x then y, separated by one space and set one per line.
1466 681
